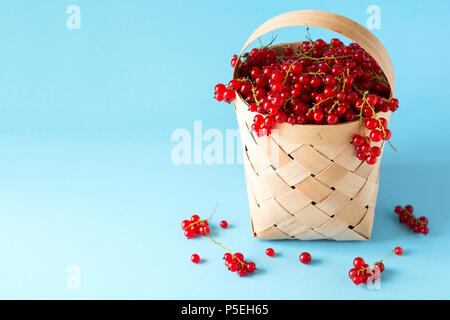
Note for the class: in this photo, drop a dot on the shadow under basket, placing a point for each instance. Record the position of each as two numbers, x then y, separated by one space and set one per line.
304 181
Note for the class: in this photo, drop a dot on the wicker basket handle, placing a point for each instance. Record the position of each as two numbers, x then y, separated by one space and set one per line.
333 22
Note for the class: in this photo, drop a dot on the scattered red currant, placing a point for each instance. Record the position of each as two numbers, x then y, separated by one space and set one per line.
195 258
398 251
270 252
418 225
236 263
305 257
195 226
224 224
362 272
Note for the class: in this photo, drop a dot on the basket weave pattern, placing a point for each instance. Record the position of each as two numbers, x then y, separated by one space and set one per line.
305 191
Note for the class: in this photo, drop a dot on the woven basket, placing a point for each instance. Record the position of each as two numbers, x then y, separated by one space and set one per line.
305 181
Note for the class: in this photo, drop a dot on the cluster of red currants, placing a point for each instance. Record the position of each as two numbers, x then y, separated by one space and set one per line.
419 225
362 271
314 83
236 263
195 226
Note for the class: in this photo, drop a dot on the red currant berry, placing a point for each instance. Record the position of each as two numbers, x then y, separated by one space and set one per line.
251 267
270 252
398 251
398 209
195 258
332 118
358 140
409 208
371 160
229 96
189 233
305 257
358 262
358 279
242 272
223 224
423 220
185 224
234 266
375 135
375 151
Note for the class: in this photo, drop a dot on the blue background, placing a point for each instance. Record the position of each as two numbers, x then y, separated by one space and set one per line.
86 176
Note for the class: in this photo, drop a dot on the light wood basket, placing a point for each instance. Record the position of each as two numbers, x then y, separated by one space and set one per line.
305 181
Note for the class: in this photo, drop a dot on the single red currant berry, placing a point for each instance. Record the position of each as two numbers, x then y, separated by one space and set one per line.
332 118
234 266
358 262
380 266
185 224
189 233
358 279
423 220
352 273
228 256
424 230
288 52
409 208
233 62
270 252
242 272
398 251
277 76
251 266
270 121
205 230
258 120
223 224
195 258
398 209
376 135
372 100
358 140
229 95
239 256
371 160
220 88
387 134
305 257
195 218
365 148
318 116
375 151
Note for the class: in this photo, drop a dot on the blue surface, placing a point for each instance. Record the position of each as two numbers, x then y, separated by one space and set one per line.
86 174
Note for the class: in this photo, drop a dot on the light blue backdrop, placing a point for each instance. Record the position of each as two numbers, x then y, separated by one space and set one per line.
86 177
